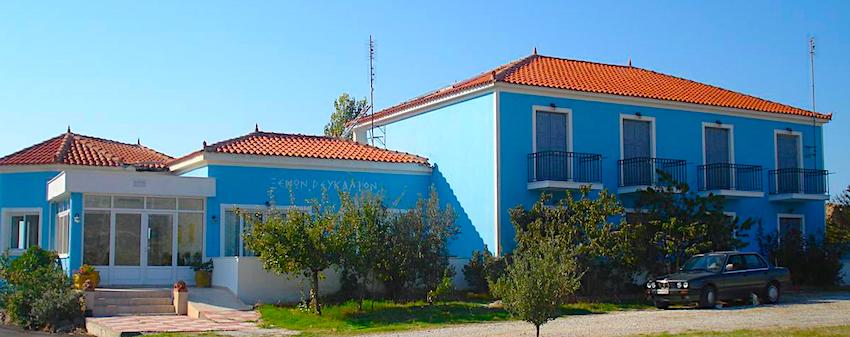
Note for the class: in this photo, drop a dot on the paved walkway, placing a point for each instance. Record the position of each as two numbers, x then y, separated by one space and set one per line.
796 311
231 320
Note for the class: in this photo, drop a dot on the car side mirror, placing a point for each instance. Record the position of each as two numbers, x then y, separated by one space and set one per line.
730 267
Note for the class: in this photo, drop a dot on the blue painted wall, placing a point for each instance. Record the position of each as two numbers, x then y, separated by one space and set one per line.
28 190
257 185
459 140
678 136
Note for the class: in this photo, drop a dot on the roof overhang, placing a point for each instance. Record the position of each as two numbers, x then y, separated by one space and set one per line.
585 96
202 159
128 183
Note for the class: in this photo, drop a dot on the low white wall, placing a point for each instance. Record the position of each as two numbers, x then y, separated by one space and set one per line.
246 278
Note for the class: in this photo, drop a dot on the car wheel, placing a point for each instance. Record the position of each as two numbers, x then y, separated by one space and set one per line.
771 293
662 305
708 298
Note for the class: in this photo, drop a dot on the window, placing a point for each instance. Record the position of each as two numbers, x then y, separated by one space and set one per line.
637 148
161 203
790 224
190 231
96 238
129 202
63 231
736 263
637 138
754 261
236 222
20 228
717 156
552 143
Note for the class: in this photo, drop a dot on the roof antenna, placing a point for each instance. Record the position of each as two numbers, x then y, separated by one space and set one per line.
814 145
381 137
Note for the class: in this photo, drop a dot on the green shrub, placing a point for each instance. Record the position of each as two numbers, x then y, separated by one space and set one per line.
37 293
812 261
483 268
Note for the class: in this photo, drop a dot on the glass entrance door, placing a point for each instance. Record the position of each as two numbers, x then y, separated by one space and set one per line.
127 249
160 249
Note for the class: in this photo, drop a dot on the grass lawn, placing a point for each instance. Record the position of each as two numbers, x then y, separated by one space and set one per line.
834 331
344 319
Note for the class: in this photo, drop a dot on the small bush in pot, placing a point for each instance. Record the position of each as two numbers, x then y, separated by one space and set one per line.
203 273
86 273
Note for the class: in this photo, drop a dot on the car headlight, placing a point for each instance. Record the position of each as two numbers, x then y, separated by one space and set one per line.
685 285
650 285
678 284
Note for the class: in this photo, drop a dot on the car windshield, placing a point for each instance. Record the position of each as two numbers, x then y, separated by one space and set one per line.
710 263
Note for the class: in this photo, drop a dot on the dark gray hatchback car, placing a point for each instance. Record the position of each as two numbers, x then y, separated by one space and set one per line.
708 278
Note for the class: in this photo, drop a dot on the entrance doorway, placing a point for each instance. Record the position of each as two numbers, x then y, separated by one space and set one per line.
154 241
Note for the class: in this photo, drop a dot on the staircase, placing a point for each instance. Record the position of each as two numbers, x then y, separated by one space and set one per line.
119 302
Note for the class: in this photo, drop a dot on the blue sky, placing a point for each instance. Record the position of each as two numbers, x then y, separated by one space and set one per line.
177 73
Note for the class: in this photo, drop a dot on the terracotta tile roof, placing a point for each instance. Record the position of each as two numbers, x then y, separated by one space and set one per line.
552 72
305 146
74 149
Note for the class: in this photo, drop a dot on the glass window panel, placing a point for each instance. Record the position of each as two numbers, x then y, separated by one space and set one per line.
97 201
160 239
62 230
24 231
129 202
128 236
191 204
161 203
231 233
190 238
790 225
551 128
95 238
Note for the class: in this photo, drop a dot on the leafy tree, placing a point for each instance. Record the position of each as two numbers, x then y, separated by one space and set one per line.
482 269
416 253
364 227
346 109
540 278
813 261
676 222
298 242
838 220
602 247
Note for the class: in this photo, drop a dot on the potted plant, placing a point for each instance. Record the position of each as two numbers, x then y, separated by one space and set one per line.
203 273
86 273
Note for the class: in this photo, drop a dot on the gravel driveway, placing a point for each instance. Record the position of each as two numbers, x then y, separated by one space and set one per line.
798 310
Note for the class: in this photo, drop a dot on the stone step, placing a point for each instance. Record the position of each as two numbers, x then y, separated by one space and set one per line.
104 301
115 310
132 293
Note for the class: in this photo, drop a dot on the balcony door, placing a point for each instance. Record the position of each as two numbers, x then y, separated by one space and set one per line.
788 162
637 147
552 146
718 156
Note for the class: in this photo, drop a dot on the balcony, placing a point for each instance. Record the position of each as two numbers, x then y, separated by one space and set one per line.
798 184
558 170
639 173
730 180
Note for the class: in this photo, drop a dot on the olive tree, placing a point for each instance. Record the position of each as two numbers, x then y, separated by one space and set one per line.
364 224
296 241
539 280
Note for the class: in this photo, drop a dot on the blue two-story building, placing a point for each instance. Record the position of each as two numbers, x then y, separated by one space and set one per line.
491 142
549 124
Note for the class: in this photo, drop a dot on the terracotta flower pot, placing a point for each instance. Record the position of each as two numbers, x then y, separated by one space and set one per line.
202 279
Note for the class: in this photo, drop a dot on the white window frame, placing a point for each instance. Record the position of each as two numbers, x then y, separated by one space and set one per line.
65 213
543 108
731 129
641 118
6 215
733 215
802 218
776 133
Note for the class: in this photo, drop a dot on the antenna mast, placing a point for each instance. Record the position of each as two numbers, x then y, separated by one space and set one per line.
381 130
814 145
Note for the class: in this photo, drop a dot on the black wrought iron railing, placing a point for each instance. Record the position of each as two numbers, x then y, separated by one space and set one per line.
725 176
646 171
564 166
798 180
